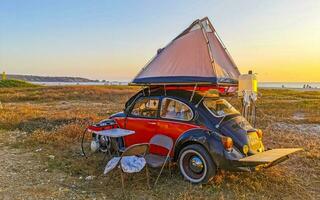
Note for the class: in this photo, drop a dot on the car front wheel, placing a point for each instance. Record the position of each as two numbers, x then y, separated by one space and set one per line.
196 164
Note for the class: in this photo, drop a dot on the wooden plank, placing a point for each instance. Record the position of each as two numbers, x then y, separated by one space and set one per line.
270 156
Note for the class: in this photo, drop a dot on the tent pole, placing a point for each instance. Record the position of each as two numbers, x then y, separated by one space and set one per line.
181 34
186 30
222 44
193 92
209 47
204 96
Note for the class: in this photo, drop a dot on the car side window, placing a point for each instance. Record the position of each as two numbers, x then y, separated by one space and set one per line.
174 109
146 107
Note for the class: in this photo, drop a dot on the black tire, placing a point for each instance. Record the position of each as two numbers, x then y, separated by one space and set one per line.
196 164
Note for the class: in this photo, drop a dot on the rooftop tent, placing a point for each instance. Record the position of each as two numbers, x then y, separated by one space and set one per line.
196 56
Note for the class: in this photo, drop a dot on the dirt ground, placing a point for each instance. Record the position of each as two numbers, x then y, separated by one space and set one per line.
22 175
40 130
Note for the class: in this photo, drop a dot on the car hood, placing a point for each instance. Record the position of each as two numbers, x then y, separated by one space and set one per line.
237 128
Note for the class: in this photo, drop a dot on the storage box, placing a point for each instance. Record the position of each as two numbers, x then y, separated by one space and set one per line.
248 83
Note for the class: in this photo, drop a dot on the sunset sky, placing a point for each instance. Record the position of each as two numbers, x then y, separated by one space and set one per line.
279 39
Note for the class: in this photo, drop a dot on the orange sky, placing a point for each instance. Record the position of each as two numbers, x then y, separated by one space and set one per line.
278 39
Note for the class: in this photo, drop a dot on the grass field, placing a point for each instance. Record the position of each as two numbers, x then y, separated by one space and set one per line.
40 130
15 84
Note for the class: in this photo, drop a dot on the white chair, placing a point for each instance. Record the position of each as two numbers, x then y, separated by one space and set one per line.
157 161
132 160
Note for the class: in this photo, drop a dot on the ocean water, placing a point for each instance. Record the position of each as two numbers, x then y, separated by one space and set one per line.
288 84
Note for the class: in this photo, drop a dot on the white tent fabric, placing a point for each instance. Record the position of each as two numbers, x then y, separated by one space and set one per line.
196 56
222 62
186 55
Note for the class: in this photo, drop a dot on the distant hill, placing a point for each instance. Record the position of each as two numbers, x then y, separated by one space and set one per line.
31 78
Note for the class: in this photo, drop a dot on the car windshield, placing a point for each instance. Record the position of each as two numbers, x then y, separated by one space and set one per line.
219 107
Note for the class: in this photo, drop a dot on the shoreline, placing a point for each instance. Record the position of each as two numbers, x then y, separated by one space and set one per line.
296 89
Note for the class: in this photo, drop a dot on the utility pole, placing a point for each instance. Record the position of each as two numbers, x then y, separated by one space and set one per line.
4 77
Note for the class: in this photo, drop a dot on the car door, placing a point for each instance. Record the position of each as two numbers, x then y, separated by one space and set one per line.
143 120
175 118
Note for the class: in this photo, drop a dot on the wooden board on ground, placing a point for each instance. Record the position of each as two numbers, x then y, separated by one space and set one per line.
270 156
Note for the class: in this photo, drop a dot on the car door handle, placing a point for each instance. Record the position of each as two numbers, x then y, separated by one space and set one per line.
153 123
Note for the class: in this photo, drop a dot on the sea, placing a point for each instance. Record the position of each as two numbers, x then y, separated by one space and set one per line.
289 85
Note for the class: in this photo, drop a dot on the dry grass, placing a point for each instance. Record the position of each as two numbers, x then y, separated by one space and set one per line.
53 119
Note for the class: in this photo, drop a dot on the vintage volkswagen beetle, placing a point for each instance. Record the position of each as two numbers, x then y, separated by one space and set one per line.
209 134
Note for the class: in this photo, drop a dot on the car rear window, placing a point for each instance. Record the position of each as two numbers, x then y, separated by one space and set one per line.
174 109
146 107
219 107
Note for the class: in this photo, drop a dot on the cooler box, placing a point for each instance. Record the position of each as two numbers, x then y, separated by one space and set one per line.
248 83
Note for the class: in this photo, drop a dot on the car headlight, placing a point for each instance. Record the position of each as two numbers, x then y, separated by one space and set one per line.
245 149
227 143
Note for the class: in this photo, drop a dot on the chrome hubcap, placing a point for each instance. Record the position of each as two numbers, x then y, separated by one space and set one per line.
193 166
196 164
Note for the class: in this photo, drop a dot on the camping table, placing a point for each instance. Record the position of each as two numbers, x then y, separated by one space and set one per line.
113 134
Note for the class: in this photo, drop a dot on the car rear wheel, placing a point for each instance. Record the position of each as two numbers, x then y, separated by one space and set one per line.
196 164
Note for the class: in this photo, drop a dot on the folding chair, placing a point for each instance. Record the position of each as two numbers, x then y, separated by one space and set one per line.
140 150
156 161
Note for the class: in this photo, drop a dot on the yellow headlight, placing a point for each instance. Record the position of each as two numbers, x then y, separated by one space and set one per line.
245 149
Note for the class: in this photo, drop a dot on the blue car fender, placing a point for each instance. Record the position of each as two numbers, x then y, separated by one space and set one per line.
206 138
